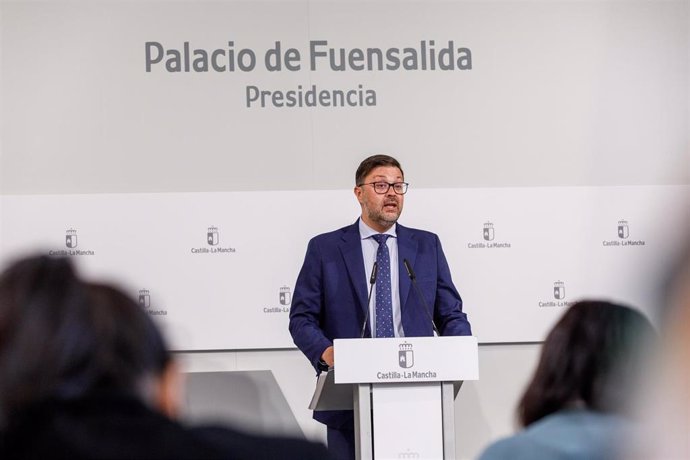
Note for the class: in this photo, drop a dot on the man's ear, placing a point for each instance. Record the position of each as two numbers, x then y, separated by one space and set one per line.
358 193
169 389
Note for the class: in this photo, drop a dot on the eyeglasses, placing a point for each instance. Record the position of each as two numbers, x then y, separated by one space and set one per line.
381 188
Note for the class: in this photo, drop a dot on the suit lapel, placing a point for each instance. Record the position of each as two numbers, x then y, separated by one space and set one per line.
407 249
351 250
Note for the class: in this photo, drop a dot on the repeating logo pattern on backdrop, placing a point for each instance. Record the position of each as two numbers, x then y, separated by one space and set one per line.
620 232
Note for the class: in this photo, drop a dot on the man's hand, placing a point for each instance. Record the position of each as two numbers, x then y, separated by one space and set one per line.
327 356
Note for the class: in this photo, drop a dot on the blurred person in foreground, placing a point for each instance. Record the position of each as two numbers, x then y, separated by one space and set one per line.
664 399
84 373
577 405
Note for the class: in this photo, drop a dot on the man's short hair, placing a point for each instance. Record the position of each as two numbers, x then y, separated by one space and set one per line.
374 161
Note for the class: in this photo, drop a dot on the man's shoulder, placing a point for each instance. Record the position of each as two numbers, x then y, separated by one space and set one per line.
415 232
401 230
335 234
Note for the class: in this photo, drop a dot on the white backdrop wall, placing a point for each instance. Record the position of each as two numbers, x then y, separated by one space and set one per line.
546 142
552 160
573 93
543 248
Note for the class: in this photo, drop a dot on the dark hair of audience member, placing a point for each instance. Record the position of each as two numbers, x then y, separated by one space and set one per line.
591 359
64 338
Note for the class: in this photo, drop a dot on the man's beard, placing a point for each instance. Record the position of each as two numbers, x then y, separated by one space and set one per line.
384 218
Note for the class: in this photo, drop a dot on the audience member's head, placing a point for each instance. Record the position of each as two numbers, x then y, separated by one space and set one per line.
84 373
589 360
64 338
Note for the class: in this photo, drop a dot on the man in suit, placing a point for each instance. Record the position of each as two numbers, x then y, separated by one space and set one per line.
330 298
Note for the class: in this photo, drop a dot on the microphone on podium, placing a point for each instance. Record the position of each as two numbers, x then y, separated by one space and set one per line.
413 278
372 281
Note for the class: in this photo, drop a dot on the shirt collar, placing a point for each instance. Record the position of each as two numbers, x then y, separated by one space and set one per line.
367 232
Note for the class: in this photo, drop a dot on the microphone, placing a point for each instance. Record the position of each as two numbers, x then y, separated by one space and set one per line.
372 281
413 278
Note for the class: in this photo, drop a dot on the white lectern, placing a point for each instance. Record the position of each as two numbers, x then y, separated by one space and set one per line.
402 391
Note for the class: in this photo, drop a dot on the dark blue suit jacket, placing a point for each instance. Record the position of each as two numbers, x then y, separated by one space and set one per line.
330 297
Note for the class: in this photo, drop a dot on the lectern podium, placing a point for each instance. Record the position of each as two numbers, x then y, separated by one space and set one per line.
402 392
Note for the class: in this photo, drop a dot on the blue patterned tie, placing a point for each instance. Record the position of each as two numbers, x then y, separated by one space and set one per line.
384 300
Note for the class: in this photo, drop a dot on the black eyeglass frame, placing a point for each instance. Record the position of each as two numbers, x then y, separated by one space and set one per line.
404 185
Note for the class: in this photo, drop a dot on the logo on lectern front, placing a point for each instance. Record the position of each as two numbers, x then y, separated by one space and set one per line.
406 356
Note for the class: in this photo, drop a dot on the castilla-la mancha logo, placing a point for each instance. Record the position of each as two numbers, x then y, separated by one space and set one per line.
623 229
406 355
145 302
559 290
71 238
212 243
144 298
284 297
212 236
558 299
488 232
623 241
488 236
70 249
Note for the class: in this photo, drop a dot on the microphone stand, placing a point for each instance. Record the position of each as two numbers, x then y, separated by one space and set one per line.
372 281
413 278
